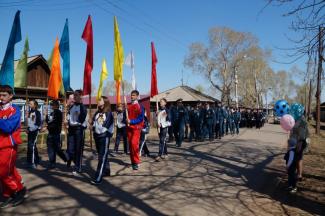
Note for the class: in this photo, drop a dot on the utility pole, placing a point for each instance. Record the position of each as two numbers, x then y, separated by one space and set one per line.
319 74
309 99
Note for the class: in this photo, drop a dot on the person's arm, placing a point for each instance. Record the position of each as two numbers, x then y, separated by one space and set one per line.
83 114
139 118
38 121
290 160
10 124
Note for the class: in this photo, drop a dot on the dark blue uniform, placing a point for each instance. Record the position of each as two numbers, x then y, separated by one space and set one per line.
237 119
179 117
208 122
195 124
219 122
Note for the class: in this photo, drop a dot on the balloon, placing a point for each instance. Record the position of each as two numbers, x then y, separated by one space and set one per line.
287 122
281 108
297 111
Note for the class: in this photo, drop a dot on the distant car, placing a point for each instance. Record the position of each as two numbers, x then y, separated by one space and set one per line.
276 120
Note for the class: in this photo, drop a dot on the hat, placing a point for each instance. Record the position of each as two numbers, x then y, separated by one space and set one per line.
292 142
179 100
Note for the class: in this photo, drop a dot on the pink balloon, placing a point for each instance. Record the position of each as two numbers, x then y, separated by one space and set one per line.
287 122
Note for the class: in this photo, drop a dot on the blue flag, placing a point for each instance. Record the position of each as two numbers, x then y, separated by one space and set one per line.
65 54
7 67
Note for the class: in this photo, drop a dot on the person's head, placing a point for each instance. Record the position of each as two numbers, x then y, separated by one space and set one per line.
179 102
6 94
77 96
104 105
55 104
70 100
120 107
198 105
33 104
163 102
134 95
207 105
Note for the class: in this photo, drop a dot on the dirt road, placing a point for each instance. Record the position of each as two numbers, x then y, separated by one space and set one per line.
233 176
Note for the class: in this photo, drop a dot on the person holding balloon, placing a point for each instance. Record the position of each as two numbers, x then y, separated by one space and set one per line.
293 120
301 133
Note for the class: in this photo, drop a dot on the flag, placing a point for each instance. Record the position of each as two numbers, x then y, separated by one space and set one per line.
154 87
21 69
49 63
55 81
103 76
118 60
129 61
87 36
65 54
7 67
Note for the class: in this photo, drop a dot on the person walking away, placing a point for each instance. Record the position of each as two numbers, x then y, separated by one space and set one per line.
208 119
237 120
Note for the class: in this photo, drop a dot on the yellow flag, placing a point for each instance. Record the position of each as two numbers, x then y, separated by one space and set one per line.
118 53
103 76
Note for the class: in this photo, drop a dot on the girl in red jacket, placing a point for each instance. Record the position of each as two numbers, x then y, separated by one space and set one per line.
12 189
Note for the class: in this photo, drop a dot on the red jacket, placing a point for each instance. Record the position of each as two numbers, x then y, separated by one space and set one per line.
136 115
9 126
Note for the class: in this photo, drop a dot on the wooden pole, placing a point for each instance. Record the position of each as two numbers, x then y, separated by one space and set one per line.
320 70
47 109
90 117
65 119
26 107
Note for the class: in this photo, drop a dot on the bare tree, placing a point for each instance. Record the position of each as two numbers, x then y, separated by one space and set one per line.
218 60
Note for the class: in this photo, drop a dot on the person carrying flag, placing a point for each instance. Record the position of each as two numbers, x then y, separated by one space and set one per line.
11 182
134 126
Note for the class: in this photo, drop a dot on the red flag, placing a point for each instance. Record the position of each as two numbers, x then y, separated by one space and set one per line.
87 36
154 86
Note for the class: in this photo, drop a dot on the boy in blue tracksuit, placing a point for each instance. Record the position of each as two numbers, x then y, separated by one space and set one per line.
179 117
34 126
291 165
103 127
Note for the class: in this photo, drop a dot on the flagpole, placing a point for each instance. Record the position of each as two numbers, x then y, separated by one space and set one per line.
90 131
26 106
65 119
47 110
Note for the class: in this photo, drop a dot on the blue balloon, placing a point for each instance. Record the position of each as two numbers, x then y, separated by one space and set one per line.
281 108
297 110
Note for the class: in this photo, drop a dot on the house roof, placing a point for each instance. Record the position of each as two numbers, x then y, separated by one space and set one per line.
30 60
186 93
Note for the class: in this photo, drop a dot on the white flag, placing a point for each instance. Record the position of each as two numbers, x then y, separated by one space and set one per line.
129 61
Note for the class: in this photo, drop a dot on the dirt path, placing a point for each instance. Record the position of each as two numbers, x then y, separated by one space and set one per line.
234 176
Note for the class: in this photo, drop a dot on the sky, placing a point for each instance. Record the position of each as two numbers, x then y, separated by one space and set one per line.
171 24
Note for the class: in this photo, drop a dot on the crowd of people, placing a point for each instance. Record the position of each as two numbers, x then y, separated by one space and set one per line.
128 122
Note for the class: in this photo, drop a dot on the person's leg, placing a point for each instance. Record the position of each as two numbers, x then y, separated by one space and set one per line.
125 141
299 168
58 147
134 137
78 149
102 149
30 147
161 142
210 132
71 147
9 176
176 133
51 149
117 138
164 135
181 133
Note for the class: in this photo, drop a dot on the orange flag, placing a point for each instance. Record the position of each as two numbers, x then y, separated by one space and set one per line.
55 77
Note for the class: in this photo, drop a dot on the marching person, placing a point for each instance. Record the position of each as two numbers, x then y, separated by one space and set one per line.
103 128
219 121
179 118
143 137
121 129
163 124
54 127
34 126
76 117
13 190
134 123
208 121
237 119
195 119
